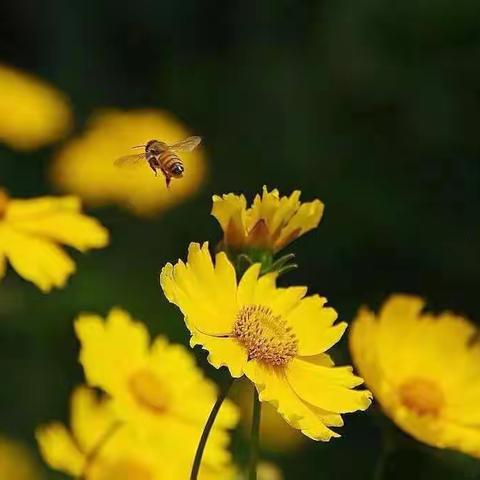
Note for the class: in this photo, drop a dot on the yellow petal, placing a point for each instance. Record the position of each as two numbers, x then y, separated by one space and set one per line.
397 319
58 219
91 418
230 212
59 449
37 260
32 113
306 218
206 294
273 387
285 299
327 388
363 342
222 352
248 284
264 208
287 207
312 324
112 349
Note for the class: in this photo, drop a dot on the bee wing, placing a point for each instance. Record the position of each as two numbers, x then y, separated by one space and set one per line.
186 145
129 160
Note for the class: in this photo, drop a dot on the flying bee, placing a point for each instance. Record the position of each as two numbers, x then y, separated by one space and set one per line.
161 157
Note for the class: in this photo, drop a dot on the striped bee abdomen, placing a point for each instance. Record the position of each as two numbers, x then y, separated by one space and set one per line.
171 164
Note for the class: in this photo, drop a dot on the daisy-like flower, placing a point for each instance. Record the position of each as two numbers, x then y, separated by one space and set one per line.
156 386
85 166
31 231
270 224
424 371
276 336
16 461
99 447
32 113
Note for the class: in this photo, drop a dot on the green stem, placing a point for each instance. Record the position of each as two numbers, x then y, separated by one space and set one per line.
208 427
388 447
254 438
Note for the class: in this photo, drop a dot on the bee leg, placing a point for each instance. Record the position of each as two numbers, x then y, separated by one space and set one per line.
168 179
153 167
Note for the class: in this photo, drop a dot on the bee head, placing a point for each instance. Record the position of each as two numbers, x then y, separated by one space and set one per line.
151 146
177 170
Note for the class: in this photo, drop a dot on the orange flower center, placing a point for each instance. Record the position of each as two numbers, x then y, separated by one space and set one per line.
149 391
422 396
4 198
267 337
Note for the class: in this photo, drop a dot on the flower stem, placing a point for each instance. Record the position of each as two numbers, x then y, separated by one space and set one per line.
254 439
208 427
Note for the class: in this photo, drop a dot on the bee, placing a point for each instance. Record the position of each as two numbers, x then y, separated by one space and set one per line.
162 157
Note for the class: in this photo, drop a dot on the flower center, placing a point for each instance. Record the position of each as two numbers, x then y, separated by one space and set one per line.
3 202
148 390
422 396
267 337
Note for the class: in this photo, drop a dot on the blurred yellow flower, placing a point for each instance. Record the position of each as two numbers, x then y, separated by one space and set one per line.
271 223
85 165
30 231
32 113
275 434
99 447
423 370
276 336
268 471
16 462
156 386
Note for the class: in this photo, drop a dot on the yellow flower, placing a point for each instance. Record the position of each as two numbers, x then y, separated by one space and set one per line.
271 223
85 166
423 370
156 386
275 434
30 231
100 447
276 336
16 462
32 113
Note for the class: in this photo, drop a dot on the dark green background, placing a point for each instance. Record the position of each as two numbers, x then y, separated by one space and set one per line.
371 105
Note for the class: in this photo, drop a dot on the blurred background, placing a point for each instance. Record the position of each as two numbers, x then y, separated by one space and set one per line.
371 106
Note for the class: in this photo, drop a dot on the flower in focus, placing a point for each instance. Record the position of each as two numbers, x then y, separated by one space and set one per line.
85 166
16 462
423 370
275 434
156 386
276 336
30 231
32 113
270 224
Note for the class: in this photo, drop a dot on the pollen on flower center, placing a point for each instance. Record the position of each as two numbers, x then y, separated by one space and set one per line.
422 396
267 337
149 391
